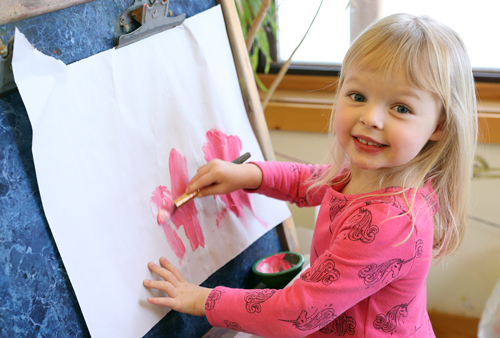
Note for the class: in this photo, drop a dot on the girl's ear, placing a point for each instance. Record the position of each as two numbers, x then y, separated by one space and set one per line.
438 133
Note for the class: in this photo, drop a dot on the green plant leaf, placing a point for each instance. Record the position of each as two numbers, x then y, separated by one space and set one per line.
269 61
247 15
254 5
254 59
260 84
247 9
263 42
274 26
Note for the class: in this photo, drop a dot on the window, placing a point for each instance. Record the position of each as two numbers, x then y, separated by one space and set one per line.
476 22
328 39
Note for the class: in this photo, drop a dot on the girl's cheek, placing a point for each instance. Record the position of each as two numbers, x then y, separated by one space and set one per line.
340 123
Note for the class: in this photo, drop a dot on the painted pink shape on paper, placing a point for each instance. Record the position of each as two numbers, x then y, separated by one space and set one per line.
186 215
161 199
228 147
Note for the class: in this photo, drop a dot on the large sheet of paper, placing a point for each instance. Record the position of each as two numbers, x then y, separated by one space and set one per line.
114 136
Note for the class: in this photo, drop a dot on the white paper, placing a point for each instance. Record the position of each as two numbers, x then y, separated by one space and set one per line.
103 130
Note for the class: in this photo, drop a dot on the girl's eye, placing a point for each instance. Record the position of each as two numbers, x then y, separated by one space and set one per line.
402 109
357 97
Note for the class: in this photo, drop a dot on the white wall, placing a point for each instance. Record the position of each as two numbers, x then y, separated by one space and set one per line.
459 284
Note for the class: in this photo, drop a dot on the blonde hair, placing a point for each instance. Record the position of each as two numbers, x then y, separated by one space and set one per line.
434 59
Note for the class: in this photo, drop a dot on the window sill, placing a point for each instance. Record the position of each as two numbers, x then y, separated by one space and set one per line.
303 103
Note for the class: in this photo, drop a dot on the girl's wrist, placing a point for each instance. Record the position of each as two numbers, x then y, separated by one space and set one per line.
205 292
254 176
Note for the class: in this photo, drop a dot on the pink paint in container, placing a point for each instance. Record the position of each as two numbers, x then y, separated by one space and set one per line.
279 269
274 263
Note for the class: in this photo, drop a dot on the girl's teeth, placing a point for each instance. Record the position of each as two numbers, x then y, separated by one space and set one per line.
369 143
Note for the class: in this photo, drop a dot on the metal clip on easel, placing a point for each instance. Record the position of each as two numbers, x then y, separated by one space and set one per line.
7 83
153 17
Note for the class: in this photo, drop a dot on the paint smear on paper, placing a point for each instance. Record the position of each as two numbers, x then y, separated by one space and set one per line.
224 147
159 200
273 264
187 215
162 201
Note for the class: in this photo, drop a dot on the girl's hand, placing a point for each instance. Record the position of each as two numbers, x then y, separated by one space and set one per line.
182 295
220 177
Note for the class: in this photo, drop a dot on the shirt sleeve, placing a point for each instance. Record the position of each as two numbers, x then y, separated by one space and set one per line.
290 182
349 271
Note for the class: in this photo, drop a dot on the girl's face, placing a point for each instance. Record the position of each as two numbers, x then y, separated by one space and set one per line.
382 122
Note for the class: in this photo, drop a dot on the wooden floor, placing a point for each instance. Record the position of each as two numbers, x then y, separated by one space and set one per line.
452 326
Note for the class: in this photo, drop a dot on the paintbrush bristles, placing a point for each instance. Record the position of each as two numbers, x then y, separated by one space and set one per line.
184 198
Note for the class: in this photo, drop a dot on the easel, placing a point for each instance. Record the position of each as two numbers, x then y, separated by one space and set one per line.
285 231
288 237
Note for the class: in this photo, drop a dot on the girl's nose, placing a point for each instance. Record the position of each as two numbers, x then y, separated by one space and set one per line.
373 117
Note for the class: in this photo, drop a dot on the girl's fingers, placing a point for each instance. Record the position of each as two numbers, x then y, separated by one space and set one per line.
203 170
207 175
200 181
181 295
163 273
164 286
170 267
164 301
212 190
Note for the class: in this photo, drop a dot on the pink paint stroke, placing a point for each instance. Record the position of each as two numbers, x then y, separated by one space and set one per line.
162 200
224 147
187 215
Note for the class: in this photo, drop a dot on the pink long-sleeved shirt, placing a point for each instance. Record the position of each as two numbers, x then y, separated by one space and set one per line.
369 264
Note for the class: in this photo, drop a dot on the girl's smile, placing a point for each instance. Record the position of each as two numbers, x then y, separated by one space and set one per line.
366 144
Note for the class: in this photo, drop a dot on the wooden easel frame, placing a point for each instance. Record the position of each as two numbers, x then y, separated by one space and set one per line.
286 230
16 10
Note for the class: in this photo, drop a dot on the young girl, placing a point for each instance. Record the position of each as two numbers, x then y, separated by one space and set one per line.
404 132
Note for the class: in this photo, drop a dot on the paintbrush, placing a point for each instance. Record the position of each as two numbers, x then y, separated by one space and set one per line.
167 211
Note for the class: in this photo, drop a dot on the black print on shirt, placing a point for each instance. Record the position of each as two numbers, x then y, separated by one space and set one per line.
391 189
235 326
392 319
212 298
293 167
394 203
315 251
389 270
316 172
316 320
398 205
232 325
321 271
336 205
341 326
362 228
254 299
431 202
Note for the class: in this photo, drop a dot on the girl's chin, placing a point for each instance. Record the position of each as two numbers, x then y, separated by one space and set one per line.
368 166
